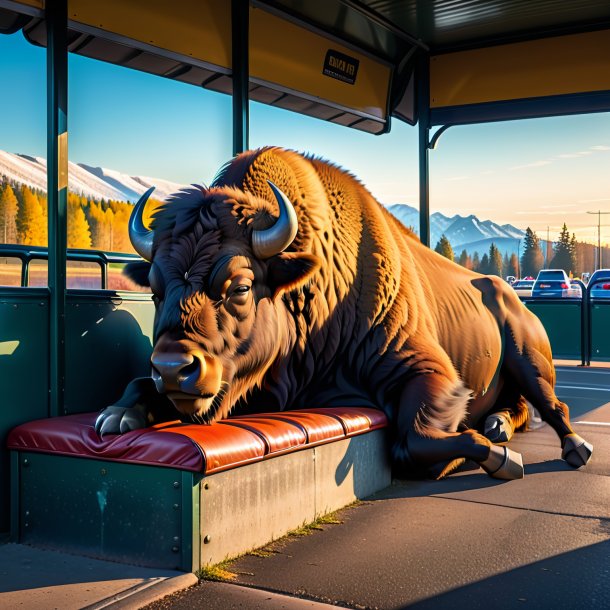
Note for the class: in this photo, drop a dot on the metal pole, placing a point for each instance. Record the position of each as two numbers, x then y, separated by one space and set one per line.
599 238
423 111
240 20
56 15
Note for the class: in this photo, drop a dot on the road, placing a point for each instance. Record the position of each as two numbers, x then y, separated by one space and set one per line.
468 541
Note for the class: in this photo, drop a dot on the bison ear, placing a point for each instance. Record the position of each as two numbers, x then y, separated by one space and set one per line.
291 270
138 273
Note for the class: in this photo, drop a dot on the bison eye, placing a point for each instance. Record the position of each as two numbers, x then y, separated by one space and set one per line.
243 289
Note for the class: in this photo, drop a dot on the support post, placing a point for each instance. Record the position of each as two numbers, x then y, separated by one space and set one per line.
423 113
240 21
56 15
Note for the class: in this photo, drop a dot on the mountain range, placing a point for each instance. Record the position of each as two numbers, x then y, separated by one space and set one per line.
463 232
87 180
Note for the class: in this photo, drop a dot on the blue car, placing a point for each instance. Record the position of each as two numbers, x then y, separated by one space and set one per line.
555 283
599 284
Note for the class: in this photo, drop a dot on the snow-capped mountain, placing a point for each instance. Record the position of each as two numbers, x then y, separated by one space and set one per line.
461 230
86 180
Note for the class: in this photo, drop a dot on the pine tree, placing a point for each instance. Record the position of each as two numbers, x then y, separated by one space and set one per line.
495 261
443 247
513 265
8 215
484 266
563 258
30 220
576 269
532 259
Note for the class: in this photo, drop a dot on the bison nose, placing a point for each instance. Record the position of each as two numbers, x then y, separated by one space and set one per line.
177 372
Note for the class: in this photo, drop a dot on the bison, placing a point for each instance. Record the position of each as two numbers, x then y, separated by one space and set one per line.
285 284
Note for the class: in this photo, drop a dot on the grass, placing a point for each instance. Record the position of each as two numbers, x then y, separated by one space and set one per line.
221 572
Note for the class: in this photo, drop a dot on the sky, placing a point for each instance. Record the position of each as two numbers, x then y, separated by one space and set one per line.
538 173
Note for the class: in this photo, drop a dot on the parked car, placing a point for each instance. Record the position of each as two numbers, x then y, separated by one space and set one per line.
523 288
600 284
555 283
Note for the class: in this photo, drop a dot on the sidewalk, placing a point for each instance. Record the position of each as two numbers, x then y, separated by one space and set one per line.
468 541
34 579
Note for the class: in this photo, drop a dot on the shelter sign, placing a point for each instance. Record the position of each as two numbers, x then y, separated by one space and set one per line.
340 66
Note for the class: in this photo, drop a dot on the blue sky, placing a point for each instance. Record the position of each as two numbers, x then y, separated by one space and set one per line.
534 173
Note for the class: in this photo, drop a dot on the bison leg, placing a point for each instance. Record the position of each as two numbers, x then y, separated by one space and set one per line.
431 408
139 406
510 414
535 375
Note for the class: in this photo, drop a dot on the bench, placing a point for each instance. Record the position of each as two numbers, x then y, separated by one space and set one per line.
182 496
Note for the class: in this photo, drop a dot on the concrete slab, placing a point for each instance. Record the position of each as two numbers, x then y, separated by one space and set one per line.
40 579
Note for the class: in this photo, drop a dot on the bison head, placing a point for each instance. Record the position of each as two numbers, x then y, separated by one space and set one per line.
218 267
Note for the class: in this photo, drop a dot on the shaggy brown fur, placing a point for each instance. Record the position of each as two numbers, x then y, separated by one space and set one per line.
357 311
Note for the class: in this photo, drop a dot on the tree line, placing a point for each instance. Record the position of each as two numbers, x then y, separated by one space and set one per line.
92 223
567 253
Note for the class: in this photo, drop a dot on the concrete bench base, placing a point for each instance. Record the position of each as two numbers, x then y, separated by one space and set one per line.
176 519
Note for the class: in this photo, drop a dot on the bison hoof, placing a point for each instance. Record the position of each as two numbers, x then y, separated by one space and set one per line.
576 451
503 463
118 420
498 429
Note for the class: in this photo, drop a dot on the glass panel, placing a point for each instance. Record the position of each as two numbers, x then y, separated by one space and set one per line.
120 146
10 271
531 189
84 275
38 273
23 172
117 280
387 165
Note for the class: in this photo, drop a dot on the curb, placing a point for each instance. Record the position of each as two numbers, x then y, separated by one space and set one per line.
145 593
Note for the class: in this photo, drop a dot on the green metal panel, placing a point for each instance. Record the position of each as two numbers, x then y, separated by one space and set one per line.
109 342
122 512
562 322
600 331
191 526
24 374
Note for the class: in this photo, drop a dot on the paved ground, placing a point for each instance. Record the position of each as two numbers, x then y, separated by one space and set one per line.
466 542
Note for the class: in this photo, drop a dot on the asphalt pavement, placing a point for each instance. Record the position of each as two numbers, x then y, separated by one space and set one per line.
468 541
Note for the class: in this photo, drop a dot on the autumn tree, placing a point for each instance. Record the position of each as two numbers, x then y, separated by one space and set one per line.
8 215
532 259
30 220
513 265
495 261
465 260
79 234
443 247
505 265
476 262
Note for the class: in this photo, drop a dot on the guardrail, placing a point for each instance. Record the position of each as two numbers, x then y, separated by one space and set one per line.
578 328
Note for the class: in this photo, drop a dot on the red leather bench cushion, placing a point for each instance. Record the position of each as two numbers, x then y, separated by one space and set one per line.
226 444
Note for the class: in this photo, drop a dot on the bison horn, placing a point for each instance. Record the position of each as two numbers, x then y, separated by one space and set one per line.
141 238
277 238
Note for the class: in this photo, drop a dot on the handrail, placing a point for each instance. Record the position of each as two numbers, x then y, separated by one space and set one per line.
29 253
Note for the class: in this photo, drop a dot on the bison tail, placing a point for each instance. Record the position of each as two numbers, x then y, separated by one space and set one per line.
446 412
